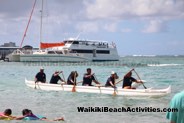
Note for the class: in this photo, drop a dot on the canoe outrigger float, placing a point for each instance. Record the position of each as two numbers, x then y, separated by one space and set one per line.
150 92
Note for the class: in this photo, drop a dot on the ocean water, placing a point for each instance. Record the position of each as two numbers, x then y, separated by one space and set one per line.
158 71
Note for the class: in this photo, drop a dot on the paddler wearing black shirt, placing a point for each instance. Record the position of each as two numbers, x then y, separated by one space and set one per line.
40 76
72 78
111 80
128 80
88 78
55 78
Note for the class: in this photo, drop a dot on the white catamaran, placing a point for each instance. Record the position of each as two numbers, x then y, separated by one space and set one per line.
70 50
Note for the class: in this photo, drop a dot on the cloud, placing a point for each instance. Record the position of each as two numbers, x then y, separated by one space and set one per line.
87 27
15 8
155 26
126 30
156 13
63 14
95 17
111 27
135 9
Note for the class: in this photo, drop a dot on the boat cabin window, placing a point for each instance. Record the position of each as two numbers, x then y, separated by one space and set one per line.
59 52
90 51
68 42
51 52
71 42
103 52
75 42
81 51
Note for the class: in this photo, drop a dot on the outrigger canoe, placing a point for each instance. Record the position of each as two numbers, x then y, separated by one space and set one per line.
150 92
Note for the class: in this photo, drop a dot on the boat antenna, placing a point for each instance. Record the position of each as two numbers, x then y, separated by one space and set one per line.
28 24
78 36
41 24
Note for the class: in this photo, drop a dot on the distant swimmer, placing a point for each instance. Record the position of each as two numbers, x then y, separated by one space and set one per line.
40 76
6 115
55 78
88 78
28 115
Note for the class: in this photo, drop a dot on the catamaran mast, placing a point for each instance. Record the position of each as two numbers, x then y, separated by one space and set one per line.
41 24
27 25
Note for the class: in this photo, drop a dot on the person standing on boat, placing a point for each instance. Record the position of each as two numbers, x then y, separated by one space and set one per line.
128 80
111 80
177 104
55 78
72 78
40 76
88 78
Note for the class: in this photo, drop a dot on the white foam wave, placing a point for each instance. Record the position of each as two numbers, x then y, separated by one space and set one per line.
144 55
163 65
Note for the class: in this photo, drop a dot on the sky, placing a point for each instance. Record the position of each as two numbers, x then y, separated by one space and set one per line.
138 27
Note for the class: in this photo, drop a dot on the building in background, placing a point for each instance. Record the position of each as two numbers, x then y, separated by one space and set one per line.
8 48
10 44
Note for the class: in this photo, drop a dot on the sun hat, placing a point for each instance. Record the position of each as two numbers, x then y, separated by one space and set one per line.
112 72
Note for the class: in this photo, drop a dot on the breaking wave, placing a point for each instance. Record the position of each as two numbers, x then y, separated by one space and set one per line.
163 65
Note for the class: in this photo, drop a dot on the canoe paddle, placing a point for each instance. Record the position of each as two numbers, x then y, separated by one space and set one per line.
114 93
140 79
79 82
119 81
35 85
74 89
63 76
97 81
63 79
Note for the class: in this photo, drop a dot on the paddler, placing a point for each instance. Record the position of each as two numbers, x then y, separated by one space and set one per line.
88 78
111 80
72 78
55 78
40 76
128 80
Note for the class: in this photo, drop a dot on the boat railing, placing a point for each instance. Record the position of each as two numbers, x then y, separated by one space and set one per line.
102 46
40 52
27 51
73 53
17 52
76 54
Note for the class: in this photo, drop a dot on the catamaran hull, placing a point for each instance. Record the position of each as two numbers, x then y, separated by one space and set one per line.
100 90
56 58
51 58
14 57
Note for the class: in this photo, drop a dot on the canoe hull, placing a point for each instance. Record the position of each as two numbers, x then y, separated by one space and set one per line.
100 90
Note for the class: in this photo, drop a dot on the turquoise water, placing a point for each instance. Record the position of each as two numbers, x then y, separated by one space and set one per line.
158 71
